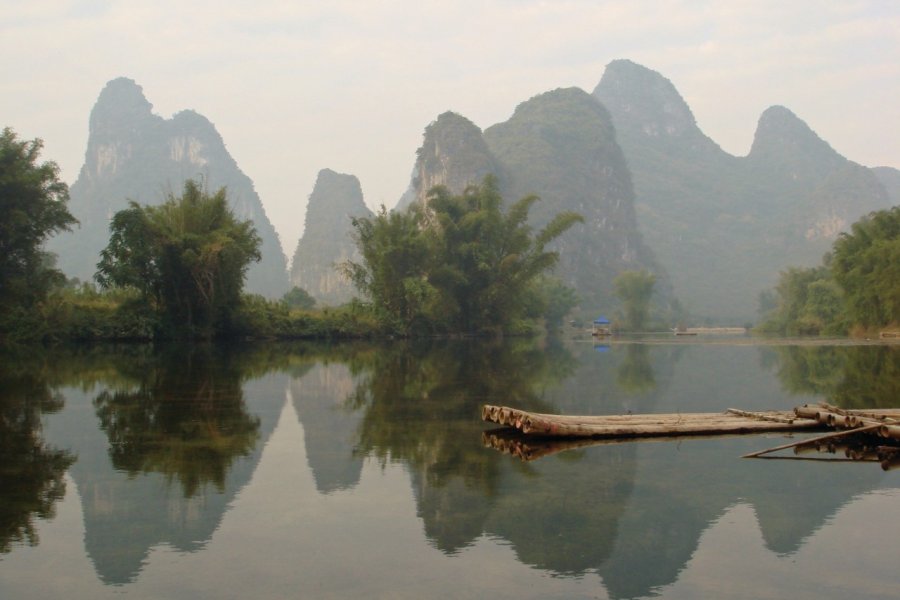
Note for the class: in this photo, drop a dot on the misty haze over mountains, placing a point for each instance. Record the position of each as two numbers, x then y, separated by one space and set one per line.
724 226
133 154
656 192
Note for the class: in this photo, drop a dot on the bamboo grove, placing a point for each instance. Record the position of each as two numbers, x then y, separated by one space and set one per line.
855 289
460 264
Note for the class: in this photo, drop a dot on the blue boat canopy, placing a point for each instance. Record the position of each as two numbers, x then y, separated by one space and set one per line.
601 321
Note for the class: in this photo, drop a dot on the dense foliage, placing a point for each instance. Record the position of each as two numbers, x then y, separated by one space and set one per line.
84 314
856 287
297 297
806 301
635 289
460 264
187 257
32 208
867 266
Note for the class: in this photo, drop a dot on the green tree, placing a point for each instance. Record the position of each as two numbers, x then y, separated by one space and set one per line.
767 302
866 264
187 418
486 261
807 301
553 300
634 289
188 257
394 268
459 264
297 297
32 208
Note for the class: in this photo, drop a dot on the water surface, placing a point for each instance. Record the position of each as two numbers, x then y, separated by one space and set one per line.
360 470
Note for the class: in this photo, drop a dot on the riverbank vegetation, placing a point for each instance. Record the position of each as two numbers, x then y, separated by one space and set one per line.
453 265
855 290
32 208
459 265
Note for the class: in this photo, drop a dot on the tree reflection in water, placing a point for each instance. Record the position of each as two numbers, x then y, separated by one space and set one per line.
421 399
31 472
632 513
186 419
635 375
421 407
848 376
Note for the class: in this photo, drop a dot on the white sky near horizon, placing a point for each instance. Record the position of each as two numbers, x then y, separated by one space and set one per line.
350 85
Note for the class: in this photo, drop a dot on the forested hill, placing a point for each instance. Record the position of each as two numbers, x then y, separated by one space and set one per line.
724 226
326 240
560 146
658 193
133 154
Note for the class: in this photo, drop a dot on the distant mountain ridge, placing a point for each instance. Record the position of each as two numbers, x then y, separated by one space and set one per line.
724 226
133 154
656 192
631 158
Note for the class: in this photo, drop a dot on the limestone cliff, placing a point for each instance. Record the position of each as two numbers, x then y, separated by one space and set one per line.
453 154
724 226
133 154
326 240
561 145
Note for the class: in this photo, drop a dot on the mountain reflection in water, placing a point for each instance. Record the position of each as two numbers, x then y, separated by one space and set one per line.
161 446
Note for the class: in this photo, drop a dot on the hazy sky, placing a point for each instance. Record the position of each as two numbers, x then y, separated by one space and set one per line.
294 86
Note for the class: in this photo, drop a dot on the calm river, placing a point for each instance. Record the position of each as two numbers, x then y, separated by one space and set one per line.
363 471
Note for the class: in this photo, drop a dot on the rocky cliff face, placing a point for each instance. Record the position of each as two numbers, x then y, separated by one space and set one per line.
724 226
453 154
326 240
133 154
561 145
653 106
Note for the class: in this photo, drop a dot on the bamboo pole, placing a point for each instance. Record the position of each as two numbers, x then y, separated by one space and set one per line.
759 415
880 413
810 459
827 436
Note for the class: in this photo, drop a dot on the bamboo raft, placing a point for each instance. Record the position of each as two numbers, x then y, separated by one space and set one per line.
865 435
642 425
